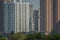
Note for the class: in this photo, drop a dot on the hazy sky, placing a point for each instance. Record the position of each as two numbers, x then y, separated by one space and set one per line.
36 3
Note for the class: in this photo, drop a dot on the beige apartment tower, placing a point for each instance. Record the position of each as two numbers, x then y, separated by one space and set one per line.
50 16
46 16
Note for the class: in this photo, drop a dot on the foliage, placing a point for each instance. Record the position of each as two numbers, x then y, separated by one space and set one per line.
17 36
35 36
2 38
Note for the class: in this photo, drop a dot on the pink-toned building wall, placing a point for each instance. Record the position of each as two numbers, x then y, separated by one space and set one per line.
50 11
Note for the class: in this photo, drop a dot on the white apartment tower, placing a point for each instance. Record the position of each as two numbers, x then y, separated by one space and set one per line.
17 16
39 20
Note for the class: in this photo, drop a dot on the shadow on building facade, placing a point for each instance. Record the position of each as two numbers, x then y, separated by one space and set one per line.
56 28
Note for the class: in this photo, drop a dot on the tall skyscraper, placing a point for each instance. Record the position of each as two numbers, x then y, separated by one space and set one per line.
46 13
56 16
17 16
1 16
50 15
39 20
26 14
10 17
35 18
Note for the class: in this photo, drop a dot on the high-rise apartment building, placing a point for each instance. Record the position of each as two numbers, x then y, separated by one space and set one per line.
56 16
26 17
39 20
17 16
1 16
35 18
10 17
46 13
50 15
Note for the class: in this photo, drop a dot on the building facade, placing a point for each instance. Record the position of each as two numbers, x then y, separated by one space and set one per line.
9 17
46 13
39 20
17 16
35 18
26 17
1 16
56 16
50 12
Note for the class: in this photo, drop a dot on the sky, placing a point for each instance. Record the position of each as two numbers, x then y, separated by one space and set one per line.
35 3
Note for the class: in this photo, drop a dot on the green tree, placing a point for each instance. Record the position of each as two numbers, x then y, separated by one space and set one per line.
18 36
15 36
2 38
34 36
56 37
